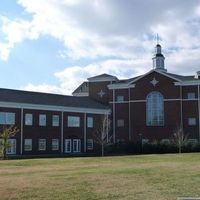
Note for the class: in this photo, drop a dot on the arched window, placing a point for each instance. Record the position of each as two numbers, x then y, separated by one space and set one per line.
155 109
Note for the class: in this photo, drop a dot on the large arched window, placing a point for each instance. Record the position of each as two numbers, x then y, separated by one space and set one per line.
155 109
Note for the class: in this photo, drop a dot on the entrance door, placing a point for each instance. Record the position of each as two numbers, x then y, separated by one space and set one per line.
72 145
68 145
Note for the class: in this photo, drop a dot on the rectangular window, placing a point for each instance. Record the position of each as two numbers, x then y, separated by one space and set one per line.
28 119
90 144
120 123
42 145
55 144
7 118
42 120
73 121
90 122
68 145
55 120
76 145
191 95
120 98
192 121
28 145
11 146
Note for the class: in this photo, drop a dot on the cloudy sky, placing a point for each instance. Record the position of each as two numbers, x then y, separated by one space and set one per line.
54 45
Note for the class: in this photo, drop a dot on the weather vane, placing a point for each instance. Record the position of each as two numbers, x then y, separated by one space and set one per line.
157 38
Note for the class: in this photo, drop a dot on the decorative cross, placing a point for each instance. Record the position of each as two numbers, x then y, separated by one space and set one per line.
154 82
101 93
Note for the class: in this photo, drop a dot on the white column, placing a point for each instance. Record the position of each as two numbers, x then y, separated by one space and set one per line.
199 109
129 114
22 123
114 115
85 132
181 103
62 132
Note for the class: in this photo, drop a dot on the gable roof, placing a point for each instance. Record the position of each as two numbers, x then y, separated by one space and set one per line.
19 96
103 77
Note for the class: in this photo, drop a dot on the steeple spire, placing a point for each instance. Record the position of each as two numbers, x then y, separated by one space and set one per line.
158 59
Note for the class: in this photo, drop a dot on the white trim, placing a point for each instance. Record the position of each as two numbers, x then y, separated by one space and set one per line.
199 109
80 94
186 83
129 115
22 126
70 143
181 104
119 102
103 79
61 145
85 132
154 70
54 108
120 86
114 116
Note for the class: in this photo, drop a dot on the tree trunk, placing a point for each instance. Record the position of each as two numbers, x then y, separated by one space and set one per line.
4 149
179 148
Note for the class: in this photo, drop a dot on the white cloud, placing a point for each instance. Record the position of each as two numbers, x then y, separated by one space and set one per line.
107 29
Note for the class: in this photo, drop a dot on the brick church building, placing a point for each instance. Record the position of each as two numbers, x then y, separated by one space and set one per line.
150 106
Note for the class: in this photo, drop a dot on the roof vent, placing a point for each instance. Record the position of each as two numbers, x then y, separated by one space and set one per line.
197 75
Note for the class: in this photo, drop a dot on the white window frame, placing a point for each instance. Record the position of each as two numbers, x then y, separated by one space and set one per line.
68 143
42 119
28 142
55 144
55 120
40 141
90 144
5 118
120 98
120 123
191 95
90 122
155 109
73 121
192 121
12 146
28 119
76 145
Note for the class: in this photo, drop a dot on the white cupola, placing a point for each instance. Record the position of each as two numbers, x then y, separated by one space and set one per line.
159 59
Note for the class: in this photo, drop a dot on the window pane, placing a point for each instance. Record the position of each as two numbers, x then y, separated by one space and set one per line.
28 145
120 123
155 109
42 144
42 120
55 120
90 122
90 144
28 119
120 98
55 144
2 118
10 118
192 121
68 145
11 146
191 95
73 121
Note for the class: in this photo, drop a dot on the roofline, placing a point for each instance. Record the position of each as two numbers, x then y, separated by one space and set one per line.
154 70
54 108
102 79
120 86
185 83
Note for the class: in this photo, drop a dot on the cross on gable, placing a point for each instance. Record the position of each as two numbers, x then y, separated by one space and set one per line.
154 82
101 93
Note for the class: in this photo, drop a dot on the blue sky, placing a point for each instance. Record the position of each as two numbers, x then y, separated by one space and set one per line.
52 46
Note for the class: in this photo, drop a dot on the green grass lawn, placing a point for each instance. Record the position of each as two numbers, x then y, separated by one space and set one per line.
150 177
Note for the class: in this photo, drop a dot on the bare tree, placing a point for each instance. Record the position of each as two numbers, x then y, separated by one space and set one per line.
179 138
5 134
101 134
